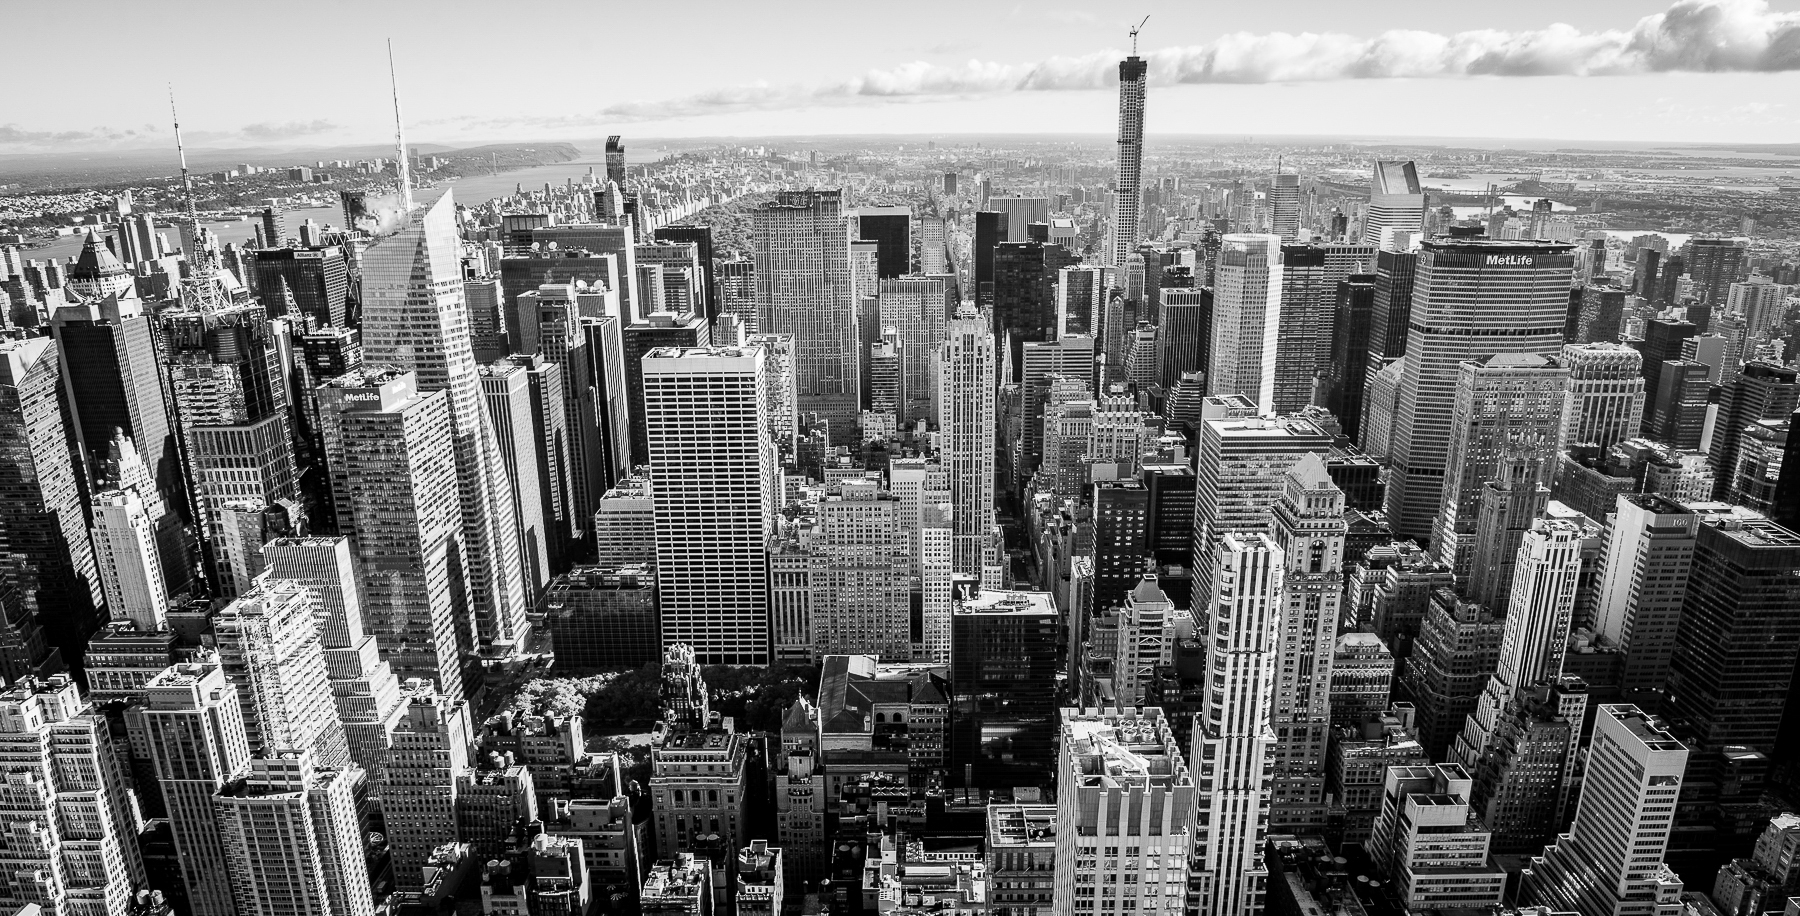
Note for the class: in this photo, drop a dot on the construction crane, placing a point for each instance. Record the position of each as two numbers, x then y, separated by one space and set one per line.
1134 34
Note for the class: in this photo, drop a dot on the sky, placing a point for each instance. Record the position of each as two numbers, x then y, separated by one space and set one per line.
475 72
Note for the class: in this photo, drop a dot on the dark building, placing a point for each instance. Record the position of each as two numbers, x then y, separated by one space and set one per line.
1602 315
612 399
1354 309
330 352
1763 391
702 237
1025 295
1003 680
1714 264
1184 338
1458 649
1359 476
1787 488
890 228
1661 342
318 279
615 161
119 386
604 618
1644 281
1669 280
1121 529
523 273
1392 306
990 231
1679 417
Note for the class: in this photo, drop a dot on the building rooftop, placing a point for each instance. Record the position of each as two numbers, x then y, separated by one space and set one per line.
997 601
1021 825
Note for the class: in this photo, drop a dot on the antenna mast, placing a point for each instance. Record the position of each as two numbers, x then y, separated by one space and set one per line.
1134 34
187 183
403 174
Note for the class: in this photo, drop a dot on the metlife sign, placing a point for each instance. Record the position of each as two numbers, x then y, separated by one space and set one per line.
1508 260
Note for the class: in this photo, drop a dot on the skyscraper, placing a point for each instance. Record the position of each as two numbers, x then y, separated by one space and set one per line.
1238 474
966 422
1184 338
1233 739
1396 203
1714 264
419 785
292 839
1246 319
1471 299
393 484
804 288
131 577
1347 376
1148 794
1003 672
916 307
195 729
1610 863
715 483
1310 530
1284 207
1605 401
416 320
1128 193
1025 295
615 160
1644 578
507 390
890 228
269 648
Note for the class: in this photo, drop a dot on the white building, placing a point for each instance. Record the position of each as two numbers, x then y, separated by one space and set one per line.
966 427
1125 812
1246 318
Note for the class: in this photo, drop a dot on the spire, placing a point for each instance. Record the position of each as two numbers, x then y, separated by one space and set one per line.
402 173
187 183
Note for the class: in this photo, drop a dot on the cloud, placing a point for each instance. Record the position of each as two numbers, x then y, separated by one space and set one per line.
286 131
14 135
1704 36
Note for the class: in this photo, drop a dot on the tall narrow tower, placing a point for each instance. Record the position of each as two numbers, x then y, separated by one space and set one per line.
1310 529
415 319
1128 193
402 171
966 421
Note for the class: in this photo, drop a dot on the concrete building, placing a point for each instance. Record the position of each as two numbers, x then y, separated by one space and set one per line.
1120 777
195 729
292 839
1310 530
419 785
804 288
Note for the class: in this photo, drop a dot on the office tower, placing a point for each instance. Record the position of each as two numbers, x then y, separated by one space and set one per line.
1508 409
1457 648
1120 775
269 648
1714 264
1238 475
545 442
1305 326
804 288
1396 203
1071 358
49 559
677 267
506 391
416 320
966 367
69 811
1661 342
487 318
1310 530
292 839
1284 207
625 524
1605 400
318 279
715 484
120 388
695 753
1763 391
195 730
393 483
1019 214
1600 315
1471 299
125 557
363 686
1676 413
933 258
602 257
1246 319
990 231
419 785
1128 194
1738 638
1430 843
615 160
1233 740
604 617
1390 314
917 308
1362 678
1759 303
701 237
1644 579
605 347
1184 337
231 394
860 603
1347 375
890 228
1610 863
1025 295
661 330
1080 301
1020 852
1003 663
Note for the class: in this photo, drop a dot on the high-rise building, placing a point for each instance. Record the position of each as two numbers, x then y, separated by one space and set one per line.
1715 264
1184 337
1284 207
1508 411
1128 191
416 320
615 160
1238 474
1458 646
916 307
699 782
68 805
1471 299
1121 776
1234 741
1025 295
933 257
1605 401
804 288
195 730
1610 863
131 576
1396 203
429 761
363 685
1347 375
860 579
393 482
1310 530
1003 664
49 560
604 617
701 237
1246 319
715 483
660 330
547 321
990 231
292 839
1429 842
269 648
890 228
1762 391
317 278
507 391
966 383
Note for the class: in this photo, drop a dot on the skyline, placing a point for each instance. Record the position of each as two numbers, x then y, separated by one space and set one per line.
1627 71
